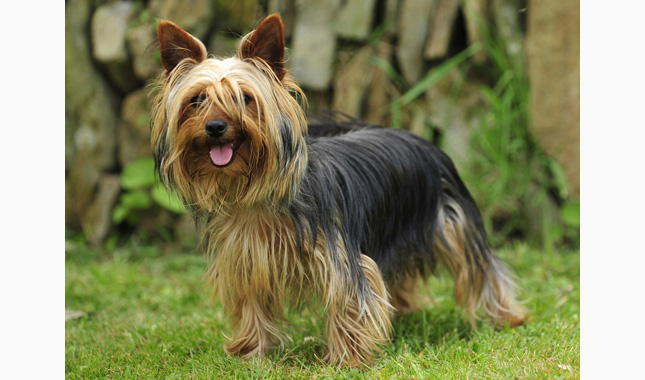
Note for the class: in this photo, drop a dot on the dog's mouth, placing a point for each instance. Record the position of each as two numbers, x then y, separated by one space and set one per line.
222 154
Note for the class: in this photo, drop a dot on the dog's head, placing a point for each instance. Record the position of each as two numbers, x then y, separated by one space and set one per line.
228 130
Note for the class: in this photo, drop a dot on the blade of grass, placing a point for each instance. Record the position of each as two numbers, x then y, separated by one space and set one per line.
435 75
391 72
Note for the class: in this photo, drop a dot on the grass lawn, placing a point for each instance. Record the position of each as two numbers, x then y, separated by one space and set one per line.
149 316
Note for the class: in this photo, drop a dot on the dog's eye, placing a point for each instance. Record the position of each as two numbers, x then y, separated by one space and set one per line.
247 99
196 100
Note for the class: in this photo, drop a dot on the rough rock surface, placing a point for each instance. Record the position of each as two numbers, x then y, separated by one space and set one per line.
133 132
192 15
314 43
90 118
109 28
553 53
354 19
413 24
145 57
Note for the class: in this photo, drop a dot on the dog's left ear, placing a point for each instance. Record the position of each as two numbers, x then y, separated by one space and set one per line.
267 43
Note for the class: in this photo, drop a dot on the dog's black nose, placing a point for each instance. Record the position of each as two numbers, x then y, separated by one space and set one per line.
216 128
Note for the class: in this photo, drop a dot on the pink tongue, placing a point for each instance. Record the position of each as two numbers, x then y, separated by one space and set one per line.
221 154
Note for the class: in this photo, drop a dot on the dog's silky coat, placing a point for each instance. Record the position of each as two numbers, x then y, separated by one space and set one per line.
351 213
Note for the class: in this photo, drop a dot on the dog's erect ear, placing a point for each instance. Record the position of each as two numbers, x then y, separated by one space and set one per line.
176 44
267 43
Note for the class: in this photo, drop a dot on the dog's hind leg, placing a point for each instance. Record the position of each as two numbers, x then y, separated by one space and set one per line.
481 279
404 293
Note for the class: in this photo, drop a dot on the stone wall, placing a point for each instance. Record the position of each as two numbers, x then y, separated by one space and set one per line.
353 56
553 48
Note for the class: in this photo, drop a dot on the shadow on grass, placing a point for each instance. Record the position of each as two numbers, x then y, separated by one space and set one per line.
429 327
411 333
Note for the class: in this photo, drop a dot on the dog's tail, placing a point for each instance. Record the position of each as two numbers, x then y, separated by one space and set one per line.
481 279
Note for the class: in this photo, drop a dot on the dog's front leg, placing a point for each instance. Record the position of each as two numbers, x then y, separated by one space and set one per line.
255 327
357 323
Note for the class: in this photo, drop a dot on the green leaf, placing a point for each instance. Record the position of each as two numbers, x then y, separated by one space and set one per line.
396 115
169 201
560 179
138 174
389 70
136 200
570 213
119 213
436 74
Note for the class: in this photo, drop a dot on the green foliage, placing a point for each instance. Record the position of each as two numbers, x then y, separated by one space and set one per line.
141 15
571 214
166 200
142 191
148 316
138 174
517 185
502 169
430 79
410 94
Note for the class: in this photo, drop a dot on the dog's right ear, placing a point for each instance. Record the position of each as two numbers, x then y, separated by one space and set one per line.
176 45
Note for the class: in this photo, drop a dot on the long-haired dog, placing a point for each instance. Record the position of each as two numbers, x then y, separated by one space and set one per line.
351 216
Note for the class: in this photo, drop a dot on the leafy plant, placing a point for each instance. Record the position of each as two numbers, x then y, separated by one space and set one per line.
410 94
518 186
141 192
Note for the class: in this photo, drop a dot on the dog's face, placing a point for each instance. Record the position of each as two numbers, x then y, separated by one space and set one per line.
218 118
222 126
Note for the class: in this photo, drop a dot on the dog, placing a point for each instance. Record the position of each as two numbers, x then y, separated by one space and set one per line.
346 218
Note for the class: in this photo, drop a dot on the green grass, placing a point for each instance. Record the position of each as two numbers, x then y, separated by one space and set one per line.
148 316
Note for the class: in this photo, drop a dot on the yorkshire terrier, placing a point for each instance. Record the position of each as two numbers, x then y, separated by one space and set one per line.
348 216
